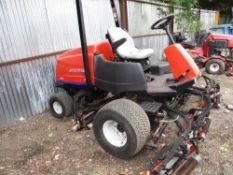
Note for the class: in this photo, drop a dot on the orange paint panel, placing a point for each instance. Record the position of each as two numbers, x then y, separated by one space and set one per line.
70 67
180 61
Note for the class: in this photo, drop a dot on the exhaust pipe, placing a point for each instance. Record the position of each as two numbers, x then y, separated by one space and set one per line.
189 165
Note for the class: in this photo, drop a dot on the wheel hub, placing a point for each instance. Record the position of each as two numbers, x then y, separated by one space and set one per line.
114 133
214 67
57 107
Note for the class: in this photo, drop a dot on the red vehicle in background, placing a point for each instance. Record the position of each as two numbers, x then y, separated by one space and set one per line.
212 51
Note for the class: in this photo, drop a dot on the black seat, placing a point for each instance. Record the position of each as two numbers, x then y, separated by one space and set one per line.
188 44
180 38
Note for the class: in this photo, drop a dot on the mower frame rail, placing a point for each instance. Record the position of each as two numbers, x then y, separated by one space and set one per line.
182 156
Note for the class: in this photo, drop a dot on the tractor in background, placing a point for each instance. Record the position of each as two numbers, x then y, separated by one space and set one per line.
212 51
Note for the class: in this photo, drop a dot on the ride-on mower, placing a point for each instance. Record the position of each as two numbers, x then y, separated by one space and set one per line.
213 51
129 101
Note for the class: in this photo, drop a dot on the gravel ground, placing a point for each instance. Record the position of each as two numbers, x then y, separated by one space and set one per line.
44 145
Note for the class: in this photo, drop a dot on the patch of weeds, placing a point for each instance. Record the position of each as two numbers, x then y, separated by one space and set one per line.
98 172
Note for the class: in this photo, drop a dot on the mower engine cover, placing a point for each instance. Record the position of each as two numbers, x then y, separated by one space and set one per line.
228 38
70 67
216 41
181 63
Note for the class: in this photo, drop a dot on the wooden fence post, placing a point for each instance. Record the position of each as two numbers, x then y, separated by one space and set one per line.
124 14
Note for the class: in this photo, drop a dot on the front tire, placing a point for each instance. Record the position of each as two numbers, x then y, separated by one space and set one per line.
60 105
215 66
122 128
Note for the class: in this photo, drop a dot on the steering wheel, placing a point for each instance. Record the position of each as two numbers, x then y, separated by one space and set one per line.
162 22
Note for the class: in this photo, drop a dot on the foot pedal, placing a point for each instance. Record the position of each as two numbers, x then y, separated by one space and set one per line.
150 107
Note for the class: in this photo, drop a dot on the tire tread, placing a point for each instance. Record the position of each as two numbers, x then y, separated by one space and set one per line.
219 62
136 116
66 101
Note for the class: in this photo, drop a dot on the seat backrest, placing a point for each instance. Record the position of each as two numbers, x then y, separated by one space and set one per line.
118 77
117 33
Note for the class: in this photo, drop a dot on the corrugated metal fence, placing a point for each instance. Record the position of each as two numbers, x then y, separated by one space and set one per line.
141 16
35 27
207 18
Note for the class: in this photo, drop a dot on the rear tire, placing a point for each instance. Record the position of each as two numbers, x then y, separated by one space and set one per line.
60 105
122 128
215 66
